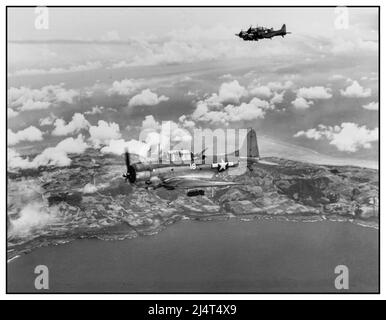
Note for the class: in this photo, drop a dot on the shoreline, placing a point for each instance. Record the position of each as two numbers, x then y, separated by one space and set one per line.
214 217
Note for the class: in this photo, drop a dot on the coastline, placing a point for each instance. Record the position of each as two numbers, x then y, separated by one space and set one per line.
211 256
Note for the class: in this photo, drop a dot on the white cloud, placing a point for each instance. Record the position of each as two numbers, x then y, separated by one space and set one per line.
104 132
313 133
95 110
35 105
124 87
355 90
77 123
118 147
147 98
304 96
260 91
277 98
59 70
213 109
24 98
35 215
153 132
231 92
317 92
29 134
247 111
52 156
186 122
255 109
349 137
371 106
176 133
150 123
47 121
277 85
14 160
58 155
301 103
201 111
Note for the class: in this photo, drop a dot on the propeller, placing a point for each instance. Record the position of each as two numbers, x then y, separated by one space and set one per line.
130 174
127 158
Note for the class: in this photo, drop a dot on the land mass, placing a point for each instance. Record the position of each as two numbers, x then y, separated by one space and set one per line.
52 205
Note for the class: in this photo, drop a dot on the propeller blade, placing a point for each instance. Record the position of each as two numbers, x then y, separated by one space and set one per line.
130 174
127 159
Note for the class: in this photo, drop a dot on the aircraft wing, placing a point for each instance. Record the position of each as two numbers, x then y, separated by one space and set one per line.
186 182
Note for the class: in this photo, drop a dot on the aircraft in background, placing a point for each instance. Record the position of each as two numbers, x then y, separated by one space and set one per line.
258 33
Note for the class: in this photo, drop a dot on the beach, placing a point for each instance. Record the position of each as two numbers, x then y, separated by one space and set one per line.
210 256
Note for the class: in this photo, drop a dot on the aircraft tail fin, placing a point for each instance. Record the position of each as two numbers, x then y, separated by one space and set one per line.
252 147
284 28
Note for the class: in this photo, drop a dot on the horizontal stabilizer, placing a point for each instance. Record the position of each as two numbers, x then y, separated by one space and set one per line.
267 163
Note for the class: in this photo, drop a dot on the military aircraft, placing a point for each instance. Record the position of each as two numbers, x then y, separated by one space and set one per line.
258 33
191 175
172 176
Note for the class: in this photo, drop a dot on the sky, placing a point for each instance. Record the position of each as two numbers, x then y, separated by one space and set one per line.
108 77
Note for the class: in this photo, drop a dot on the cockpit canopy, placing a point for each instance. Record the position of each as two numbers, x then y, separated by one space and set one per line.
179 155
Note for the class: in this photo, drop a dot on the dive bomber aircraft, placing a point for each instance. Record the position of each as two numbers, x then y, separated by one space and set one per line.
189 175
258 33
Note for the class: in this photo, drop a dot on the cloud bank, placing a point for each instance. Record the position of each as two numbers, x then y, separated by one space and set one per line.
77 123
52 156
26 99
146 98
29 134
355 90
349 137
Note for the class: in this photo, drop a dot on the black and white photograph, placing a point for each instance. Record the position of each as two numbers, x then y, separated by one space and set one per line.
203 150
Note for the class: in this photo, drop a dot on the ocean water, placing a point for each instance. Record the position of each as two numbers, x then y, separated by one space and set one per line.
212 256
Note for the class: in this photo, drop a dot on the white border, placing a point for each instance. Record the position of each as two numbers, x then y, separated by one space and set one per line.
183 296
